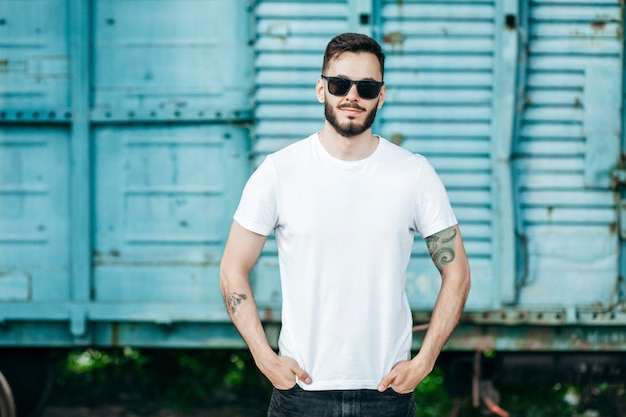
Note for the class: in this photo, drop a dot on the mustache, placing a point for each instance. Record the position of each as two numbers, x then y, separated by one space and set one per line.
351 106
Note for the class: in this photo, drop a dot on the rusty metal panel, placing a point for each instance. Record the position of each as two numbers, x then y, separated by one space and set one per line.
535 338
441 100
290 42
34 62
172 56
34 224
123 151
164 202
161 195
566 148
449 74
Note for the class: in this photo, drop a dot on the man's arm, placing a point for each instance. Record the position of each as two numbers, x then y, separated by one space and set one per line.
243 249
448 254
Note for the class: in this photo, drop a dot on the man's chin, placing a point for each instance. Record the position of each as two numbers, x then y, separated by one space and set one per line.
349 131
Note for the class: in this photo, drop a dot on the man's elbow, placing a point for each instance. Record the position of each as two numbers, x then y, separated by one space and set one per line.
459 276
465 282
225 278
232 278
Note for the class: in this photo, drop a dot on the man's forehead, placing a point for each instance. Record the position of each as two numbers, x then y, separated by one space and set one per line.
361 64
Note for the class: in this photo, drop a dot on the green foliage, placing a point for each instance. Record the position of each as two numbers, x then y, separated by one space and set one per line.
537 401
431 397
176 378
192 378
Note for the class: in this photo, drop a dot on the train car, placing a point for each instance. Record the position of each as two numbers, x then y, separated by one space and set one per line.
128 129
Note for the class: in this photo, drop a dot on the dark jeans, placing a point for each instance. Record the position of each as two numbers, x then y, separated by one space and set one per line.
297 402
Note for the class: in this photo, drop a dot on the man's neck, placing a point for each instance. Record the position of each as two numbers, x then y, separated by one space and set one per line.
353 148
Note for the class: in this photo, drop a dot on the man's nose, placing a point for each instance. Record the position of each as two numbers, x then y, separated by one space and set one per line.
352 93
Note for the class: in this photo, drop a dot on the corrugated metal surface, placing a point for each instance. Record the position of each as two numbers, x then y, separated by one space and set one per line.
168 56
567 144
34 65
440 79
124 144
34 223
291 37
441 75
290 42
123 151
164 202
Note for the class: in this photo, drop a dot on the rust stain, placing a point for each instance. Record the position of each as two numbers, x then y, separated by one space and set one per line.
598 25
394 38
577 103
480 343
397 139
613 228
510 22
280 31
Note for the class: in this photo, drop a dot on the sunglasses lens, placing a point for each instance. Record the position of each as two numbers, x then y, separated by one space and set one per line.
338 86
368 89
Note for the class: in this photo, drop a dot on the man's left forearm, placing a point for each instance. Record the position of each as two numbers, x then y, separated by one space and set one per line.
446 249
445 316
448 254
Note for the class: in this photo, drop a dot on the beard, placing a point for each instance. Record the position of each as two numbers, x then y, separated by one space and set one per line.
349 128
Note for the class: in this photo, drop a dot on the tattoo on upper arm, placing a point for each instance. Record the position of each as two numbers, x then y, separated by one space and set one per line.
441 247
234 299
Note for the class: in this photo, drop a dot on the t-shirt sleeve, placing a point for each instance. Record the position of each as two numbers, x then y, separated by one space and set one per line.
433 212
257 210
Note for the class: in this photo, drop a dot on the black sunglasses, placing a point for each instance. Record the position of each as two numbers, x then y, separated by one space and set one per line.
368 90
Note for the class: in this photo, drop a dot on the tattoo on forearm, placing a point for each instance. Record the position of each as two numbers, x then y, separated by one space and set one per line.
234 299
441 247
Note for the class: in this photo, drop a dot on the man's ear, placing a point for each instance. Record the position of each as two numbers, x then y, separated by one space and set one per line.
319 90
381 96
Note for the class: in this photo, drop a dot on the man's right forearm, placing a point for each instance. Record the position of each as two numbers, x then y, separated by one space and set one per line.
242 250
281 371
244 314
240 254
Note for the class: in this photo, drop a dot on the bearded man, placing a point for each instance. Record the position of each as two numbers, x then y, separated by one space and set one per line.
344 205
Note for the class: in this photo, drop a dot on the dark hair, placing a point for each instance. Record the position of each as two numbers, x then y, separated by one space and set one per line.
353 42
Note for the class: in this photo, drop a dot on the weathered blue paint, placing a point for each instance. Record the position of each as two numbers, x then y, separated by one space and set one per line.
80 192
620 186
564 153
128 131
449 71
361 16
503 112
181 59
123 152
168 194
602 124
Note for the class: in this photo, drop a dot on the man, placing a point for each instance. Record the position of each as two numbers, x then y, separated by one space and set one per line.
344 205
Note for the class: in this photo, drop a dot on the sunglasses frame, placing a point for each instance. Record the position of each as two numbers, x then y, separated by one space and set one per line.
352 82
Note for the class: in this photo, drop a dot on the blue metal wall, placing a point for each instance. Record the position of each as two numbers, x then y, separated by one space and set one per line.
567 145
124 148
128 129
449 98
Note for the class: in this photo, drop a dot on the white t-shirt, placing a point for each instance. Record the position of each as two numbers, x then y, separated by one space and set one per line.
344 232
